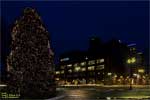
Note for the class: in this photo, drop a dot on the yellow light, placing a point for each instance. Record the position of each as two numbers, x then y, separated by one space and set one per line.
128 61
83 63
57 72
77 68
121 76
133 60
91 68
69 65
109 74
135 74
115 76
83 69
141 70
57 79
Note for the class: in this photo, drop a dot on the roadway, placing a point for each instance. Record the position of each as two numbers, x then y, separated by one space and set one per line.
94 93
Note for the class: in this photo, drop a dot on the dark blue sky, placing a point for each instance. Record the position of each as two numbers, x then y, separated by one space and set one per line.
72 23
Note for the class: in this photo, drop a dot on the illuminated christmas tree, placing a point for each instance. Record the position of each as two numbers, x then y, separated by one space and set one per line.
30 63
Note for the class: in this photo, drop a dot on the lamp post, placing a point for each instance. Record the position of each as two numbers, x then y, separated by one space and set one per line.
86 58
131 61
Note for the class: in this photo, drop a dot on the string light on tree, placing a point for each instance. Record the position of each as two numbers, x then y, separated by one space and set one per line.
31 67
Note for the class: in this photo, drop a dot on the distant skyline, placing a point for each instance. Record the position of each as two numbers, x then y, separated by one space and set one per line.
71 24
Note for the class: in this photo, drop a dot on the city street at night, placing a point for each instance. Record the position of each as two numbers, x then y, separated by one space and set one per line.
74 50
96 93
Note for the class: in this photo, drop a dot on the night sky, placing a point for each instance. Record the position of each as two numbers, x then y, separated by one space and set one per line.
71 24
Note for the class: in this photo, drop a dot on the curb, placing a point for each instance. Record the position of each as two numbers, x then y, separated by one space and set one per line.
57 98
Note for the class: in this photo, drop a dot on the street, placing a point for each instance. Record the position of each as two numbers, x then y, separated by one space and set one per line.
107 94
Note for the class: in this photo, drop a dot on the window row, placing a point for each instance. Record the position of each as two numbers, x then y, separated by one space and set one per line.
82 69
91 62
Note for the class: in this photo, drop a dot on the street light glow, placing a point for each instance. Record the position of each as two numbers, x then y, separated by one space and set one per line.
133 60
128 61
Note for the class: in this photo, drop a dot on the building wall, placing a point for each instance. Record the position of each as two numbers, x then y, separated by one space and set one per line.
90 70
107 64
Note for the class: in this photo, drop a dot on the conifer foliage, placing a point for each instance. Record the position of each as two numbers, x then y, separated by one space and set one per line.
30 63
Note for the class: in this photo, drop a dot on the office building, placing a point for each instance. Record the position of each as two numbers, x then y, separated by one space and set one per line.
102 63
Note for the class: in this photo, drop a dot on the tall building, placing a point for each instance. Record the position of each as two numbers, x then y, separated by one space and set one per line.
101 63
140 63
136 65
132 57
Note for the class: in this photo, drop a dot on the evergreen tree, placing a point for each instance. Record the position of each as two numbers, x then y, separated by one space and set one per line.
30 63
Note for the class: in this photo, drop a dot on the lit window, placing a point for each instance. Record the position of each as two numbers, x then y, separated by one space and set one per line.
83 69
100 67
62 72
77 69
91 62
75 65
57 72
109 74
69 65
69 70
83 63
57 79
91 68
141 70
100 61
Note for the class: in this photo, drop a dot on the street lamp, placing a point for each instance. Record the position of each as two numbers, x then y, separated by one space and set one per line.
86 58
131 61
